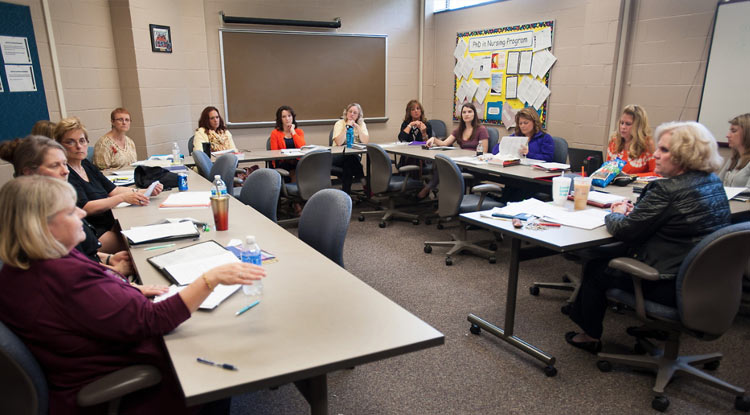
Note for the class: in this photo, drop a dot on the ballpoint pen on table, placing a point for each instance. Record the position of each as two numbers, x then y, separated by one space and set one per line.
247 307
152 248
226 366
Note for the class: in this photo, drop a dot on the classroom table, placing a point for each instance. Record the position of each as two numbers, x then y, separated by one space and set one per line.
256 156
314 317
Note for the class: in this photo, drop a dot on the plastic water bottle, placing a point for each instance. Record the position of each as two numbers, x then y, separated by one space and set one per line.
176 160
219 188
251 254
349 136
480 149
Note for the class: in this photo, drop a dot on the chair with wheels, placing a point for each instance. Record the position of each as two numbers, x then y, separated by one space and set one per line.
226 167
25 388
313 175
438 128
261 192
452 201
385 185
325 221
709 286
270 165
493 140
561 150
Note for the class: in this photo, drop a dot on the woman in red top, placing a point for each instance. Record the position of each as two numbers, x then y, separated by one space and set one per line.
633 142
287 135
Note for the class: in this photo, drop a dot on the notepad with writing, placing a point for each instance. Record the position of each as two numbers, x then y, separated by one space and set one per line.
162 232
182 266
219 294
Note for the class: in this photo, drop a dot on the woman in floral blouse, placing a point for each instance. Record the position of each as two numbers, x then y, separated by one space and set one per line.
116 150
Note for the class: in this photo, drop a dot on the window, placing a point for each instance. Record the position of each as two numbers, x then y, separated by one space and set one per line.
445 5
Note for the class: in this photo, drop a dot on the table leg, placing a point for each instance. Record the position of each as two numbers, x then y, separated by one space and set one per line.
315 391
510 314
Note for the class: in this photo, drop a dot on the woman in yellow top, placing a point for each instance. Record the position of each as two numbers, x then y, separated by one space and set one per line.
211 129
633 143
116 150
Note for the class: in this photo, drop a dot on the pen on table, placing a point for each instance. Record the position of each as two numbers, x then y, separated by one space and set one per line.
247 307
556 225
226 366
151 248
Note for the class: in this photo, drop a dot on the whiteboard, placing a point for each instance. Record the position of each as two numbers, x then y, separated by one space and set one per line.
727 84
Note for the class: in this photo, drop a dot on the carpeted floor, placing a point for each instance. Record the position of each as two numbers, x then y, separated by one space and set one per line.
479 374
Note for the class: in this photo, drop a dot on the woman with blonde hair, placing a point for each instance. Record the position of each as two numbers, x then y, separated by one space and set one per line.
354 120
632 142
45 128
736 170
80 320
116 150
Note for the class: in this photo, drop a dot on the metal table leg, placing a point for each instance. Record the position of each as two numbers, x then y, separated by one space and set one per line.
315 391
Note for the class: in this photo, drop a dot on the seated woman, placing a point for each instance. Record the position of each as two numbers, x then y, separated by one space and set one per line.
468 135
116 150
46 157
415 126
540 145
45 128
736 170
79 319
211 129
670 217
287 135
633 142
354 120
96 194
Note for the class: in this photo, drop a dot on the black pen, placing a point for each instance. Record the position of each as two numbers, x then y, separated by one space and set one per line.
226 366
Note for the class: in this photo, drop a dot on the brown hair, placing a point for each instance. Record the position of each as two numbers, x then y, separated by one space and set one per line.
641 133
531 115
279 124
69 124
27 153
462 124
43 127
205 123
410 106
739 161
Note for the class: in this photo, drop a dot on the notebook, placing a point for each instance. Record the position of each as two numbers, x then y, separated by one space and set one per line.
183 266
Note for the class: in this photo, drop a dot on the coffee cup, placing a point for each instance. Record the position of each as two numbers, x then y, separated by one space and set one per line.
560 189
581 186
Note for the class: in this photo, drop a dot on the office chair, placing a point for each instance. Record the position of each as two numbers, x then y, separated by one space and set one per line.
269 163
313 175
709 286
261 191
90 154
385 185
561 150
336 171
324 222
452 201
25 385
226 167
204 163
745 307
493 140
438 128
190 145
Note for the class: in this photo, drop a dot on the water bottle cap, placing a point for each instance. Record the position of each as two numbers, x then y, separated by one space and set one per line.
250 239
218 176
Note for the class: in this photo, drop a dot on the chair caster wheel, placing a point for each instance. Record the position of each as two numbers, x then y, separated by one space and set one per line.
550 371
428 249
381 224
493 260
474 329
605 366
440 226
534 290
742 403
565 309
361 218
565 278
428 222
415 222
712 365
493 247
639 349
660 403
449 261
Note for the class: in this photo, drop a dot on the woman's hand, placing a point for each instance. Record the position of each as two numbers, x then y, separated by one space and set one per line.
350 123
422 127
134 198
430 142
624 207
523 151
121 263
157 189
152 290
235 273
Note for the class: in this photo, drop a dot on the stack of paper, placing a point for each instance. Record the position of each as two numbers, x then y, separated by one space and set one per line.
219 294
163 232
552 167
187 199
122 177
584 219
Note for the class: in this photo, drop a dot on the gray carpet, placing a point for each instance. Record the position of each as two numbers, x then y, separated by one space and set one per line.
480 374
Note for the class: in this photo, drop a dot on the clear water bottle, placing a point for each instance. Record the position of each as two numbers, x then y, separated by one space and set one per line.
219 188
480 149
349 136
176 160
251 254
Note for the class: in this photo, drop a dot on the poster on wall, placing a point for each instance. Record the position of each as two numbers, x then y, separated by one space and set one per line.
503 70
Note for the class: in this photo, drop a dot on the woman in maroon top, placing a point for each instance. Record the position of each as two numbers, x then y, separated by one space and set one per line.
469 135
79 319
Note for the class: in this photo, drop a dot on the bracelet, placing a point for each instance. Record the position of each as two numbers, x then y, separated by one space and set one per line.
207 283
106 262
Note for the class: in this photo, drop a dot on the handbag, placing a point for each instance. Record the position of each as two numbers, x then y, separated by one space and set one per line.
145 175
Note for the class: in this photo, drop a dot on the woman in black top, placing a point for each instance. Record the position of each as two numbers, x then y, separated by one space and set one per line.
415 126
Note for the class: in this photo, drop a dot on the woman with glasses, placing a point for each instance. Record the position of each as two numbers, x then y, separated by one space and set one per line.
96 194
116 150
211 129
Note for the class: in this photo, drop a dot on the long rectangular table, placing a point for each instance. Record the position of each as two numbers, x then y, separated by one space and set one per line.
314 318
255 156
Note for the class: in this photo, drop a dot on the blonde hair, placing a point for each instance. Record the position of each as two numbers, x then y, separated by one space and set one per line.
641 133
361 116
739 161
69 124
691 146
27 203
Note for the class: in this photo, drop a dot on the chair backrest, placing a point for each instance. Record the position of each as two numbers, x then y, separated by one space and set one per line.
438 128
261 191
190 145
204 163
709 282
268 143
90 154
494 138
24 384
330 138
324 222
380 168
561 150
314 173
225 167
451 186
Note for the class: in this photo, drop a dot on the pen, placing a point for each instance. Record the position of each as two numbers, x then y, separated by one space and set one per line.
226 366
504 216
151 248
557 225
247 307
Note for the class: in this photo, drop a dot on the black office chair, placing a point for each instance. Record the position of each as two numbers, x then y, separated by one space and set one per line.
385 185
561 150
709 286
261 192
190 145
312 176
325 221
438 128
493 140
25 386
336 171
452 201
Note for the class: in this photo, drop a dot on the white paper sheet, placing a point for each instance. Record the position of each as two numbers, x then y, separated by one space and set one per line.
511 87
482 89
734 191
543 61
460 49
524 63
543 39
604 198
187 271
524 89
471 90
187 199
541 96
510 146
457 69
512 65
509 115
20 78
467 66
15 50
219 294
497 84
482 67
590 218
142 234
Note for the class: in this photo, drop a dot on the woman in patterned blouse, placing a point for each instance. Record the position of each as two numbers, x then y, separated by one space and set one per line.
633 142
211 129
116 150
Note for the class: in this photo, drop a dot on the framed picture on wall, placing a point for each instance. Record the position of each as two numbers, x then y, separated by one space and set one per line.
161 38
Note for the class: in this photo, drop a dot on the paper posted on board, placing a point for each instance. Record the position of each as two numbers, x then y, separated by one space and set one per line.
543 39
20 78
15 50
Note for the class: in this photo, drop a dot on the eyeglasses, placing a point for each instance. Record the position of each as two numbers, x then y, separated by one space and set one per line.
122 120
73 143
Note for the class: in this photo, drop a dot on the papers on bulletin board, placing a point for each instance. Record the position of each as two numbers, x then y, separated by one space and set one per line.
541 96
512 65
482 90
543 39
460 49
498 61
542 62
20 78
509 116
15 50
511 87
494 110
467 66
497 84
482 66
524 62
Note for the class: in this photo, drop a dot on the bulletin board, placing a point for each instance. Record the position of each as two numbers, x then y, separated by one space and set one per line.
503 70
22 98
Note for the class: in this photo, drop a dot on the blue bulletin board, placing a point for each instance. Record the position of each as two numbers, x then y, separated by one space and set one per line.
22 98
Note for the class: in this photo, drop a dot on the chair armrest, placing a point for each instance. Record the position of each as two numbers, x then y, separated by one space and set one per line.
408 168
486 187
467 176
118 384
634 267
239 171
282 172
